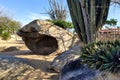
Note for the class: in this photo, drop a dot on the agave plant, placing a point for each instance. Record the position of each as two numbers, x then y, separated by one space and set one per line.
104 56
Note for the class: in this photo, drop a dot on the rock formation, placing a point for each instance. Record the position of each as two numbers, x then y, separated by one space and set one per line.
75 70
44 38
65 57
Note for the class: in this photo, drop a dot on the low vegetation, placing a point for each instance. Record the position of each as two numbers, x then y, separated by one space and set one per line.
8 27
104 56
63 24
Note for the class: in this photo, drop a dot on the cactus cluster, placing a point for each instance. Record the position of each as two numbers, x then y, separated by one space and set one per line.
104 56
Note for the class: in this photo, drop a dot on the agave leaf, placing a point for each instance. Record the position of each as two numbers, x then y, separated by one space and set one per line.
115 69
109 56
118 51
93 66
90 63
98 64
111 69
91 59
118 65
84 56
106 66
117 42
104 58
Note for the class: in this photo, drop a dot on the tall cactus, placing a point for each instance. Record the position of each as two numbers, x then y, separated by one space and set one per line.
88 16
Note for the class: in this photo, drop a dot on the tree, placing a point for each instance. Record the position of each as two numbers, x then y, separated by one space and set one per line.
112 22
8 27
57 11
58 14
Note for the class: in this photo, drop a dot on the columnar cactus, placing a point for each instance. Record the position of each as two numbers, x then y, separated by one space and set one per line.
88 16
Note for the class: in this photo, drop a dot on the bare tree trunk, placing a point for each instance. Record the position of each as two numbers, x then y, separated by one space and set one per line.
57 11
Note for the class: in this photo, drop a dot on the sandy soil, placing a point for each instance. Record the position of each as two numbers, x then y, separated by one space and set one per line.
17 48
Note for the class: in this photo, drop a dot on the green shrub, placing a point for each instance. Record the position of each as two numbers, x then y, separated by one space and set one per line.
5 36
8 27
104 56
62 24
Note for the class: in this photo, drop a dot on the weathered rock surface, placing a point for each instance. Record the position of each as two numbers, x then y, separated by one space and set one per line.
43 37
74 70
64 58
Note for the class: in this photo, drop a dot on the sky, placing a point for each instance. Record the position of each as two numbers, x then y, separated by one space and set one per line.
27 10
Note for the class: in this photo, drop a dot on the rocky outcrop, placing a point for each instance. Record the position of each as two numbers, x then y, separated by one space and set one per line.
64 58
43 37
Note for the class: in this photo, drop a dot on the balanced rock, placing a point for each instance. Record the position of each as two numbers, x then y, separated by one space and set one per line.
44 37
65 57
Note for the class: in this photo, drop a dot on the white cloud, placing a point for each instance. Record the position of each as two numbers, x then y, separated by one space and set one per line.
34 16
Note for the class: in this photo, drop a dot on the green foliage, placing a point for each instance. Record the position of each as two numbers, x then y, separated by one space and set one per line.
5 35
62 24
111 22
104 56
8 27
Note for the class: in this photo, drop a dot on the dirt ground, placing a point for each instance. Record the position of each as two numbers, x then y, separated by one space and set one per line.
17 48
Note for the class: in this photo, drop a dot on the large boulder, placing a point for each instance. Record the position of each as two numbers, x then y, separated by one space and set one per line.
44 37
65 57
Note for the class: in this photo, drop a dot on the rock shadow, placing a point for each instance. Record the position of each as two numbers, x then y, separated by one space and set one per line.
13 48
